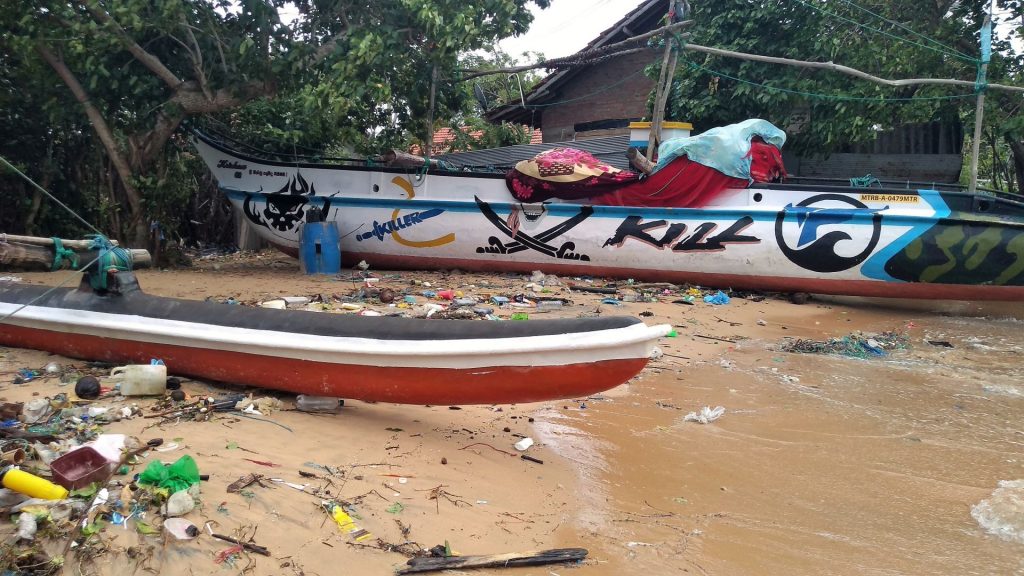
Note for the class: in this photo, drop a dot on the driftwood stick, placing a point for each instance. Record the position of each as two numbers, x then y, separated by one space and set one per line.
594 289
250 547
489 446
511 560
715 338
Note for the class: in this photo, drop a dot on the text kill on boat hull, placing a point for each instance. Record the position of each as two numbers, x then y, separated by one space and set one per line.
862 242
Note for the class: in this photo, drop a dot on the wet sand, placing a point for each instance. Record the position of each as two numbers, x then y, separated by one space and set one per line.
821 464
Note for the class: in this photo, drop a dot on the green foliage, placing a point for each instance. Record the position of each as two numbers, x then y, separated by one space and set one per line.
473 133
49 141
798 30
351 75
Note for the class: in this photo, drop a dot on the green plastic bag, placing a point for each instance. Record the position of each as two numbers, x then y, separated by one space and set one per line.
176 477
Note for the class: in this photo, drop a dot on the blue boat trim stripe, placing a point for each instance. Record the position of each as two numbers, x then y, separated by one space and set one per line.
874 267
569 210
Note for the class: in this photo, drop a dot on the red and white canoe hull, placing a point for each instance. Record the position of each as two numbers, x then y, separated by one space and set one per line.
447 370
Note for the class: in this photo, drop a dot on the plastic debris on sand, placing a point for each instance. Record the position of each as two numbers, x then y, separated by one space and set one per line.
706 415
718 298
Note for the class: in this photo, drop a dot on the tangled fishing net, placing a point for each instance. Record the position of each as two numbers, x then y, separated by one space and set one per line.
857 345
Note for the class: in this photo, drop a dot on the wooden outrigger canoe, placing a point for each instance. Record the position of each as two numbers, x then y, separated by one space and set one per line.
380 359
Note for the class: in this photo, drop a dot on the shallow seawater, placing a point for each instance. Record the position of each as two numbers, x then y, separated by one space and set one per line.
1002 513
902 464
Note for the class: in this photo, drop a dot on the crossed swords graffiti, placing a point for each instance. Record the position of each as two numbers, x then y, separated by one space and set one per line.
539 242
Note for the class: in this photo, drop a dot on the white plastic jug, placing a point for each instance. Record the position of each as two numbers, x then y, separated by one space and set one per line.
141 379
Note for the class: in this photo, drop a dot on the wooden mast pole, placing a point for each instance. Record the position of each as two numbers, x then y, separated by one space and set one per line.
677 12
979 110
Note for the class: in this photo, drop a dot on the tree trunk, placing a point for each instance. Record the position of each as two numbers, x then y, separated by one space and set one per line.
1017 147
37 199
106 136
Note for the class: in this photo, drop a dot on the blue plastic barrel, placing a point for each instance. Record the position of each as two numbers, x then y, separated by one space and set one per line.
319 248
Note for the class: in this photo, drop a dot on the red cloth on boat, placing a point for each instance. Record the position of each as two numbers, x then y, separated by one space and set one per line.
680 184
565 173
570 174
687 184
765 162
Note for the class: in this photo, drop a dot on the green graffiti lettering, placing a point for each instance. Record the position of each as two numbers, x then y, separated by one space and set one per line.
945 241
1015 247
977 247
914 249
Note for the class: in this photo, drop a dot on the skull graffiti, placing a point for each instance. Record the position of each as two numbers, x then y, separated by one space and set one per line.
285 208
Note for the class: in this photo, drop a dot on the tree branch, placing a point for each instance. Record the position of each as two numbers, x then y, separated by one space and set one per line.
327 47
832 66
586 56
589 56
190 100
197 60
148 60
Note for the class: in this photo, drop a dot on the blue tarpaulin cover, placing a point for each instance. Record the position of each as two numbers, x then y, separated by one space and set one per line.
726 148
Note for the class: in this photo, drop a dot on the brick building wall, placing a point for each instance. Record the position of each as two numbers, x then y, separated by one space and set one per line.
627 100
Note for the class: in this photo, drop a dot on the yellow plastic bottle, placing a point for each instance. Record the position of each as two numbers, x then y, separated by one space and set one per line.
32 485
347 524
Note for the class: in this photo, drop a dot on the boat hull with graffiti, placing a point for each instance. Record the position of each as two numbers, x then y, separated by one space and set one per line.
907 243
399 360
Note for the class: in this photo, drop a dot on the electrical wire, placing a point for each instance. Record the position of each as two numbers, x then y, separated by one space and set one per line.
944 50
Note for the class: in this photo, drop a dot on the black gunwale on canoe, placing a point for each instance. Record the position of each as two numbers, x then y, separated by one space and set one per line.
132 301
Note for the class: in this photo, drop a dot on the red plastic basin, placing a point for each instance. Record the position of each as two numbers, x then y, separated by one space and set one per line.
80 468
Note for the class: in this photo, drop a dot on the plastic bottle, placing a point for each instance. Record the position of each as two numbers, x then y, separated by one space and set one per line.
549 305
32 485
307 403
141 379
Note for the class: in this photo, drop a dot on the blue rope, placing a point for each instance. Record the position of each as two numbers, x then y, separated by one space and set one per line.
111 257
60 253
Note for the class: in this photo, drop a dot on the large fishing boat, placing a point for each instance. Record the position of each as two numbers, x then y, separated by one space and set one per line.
794 235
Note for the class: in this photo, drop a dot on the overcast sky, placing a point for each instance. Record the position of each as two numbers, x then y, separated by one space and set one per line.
567 26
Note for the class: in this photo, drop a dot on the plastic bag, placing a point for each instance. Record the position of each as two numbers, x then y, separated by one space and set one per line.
176 477
706 415
719 298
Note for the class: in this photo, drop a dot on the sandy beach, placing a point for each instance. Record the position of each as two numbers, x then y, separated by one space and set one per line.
821 463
